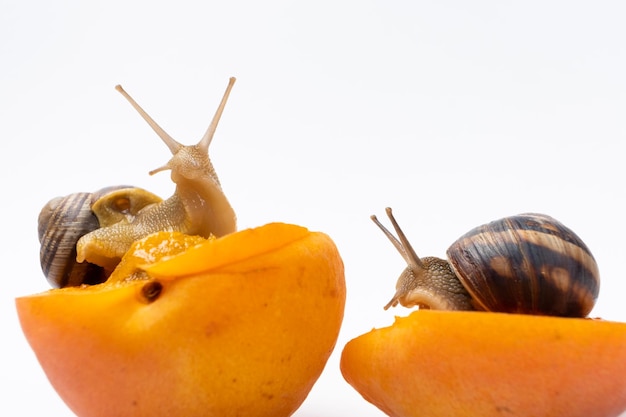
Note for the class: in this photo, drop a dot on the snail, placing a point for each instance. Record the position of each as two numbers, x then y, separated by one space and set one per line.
83 236
528 263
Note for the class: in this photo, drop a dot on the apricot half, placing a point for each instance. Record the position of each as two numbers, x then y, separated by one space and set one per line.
237 326
438 363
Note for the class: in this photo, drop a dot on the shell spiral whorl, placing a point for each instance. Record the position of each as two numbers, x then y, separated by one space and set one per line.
61 223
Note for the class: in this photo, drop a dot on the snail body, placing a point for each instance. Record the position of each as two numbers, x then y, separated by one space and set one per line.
105 226
528 263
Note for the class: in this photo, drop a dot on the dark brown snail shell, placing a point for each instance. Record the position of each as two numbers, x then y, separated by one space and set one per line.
529 263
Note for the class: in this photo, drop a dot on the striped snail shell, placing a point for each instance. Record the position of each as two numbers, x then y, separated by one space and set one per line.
64 220
528 263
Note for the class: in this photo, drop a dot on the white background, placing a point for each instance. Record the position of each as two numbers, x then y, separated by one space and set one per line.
454 113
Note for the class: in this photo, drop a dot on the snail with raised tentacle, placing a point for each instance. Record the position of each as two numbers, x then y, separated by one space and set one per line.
529 263
81 229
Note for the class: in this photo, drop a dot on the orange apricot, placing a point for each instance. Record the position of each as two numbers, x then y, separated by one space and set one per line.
239 325
479 364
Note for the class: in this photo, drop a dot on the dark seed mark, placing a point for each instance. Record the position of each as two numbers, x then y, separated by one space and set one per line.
151 291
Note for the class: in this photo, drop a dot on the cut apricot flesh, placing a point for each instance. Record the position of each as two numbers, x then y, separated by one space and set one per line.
479 364
237 326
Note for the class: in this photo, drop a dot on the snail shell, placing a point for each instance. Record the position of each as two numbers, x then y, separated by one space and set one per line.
64 220
528 263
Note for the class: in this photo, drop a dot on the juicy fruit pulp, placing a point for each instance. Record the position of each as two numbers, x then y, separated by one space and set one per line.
240 325
477 364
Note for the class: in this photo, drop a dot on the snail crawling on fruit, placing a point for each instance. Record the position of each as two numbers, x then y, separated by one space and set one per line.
83 236
528 263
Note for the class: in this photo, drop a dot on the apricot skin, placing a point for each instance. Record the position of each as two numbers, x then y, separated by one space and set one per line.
246 333
478 364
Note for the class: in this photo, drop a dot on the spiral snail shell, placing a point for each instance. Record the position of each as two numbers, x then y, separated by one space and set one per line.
64 220
83 236
528 263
